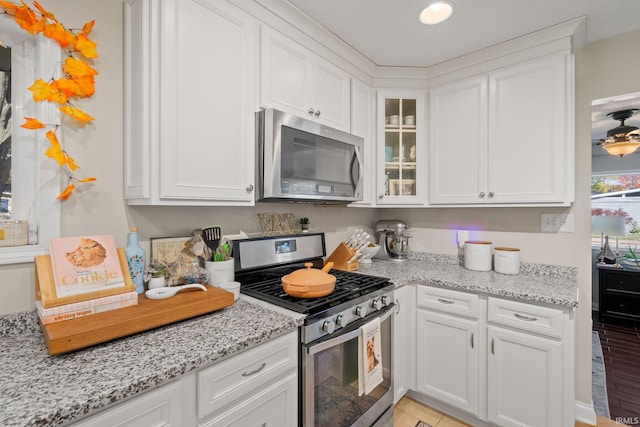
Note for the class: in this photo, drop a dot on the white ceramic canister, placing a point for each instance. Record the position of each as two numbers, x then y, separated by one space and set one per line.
477 255
220 271
506 260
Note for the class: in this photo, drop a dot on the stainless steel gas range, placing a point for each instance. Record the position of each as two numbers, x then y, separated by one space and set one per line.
329 338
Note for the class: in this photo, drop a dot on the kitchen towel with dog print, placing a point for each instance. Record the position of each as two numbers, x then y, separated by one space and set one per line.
369 357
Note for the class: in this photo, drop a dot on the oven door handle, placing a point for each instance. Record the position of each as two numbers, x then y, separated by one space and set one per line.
342 338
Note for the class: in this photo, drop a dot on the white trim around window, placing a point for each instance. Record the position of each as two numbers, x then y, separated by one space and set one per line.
36 179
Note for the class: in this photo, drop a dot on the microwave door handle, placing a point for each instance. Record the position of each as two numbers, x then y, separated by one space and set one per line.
356 160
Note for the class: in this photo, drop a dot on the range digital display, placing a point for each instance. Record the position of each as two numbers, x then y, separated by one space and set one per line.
286 246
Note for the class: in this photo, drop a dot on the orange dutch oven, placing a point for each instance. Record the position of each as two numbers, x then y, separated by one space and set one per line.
309 282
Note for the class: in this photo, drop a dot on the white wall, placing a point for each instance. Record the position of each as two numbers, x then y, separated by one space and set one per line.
98 149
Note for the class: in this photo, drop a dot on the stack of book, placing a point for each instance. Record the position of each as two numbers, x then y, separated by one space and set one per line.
88 278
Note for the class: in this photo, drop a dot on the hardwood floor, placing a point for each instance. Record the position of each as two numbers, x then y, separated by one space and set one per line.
621 351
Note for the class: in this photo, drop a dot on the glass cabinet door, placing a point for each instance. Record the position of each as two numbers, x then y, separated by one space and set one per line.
401 127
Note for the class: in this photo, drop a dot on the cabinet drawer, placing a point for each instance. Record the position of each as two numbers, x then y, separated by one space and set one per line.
623 282
448 301
277 405
224 382
527 317
622 305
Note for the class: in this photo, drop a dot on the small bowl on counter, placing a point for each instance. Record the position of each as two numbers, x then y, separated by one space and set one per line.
369 252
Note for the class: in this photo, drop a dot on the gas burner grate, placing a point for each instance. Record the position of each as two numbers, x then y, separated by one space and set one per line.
348 286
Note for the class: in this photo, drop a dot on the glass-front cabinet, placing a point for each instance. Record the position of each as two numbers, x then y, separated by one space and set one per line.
401 147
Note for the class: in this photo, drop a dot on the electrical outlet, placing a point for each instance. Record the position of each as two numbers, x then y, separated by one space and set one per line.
463 236
553 223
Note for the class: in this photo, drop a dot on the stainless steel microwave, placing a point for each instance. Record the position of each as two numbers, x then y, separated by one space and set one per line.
300 160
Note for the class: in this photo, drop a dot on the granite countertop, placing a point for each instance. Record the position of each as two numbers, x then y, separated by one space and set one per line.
536 283
37 389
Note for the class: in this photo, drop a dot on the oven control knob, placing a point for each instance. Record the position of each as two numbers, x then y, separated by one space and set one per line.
376 304
328 326
361 312
341 321
385 300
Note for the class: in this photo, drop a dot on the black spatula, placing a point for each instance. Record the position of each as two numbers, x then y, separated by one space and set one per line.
211 236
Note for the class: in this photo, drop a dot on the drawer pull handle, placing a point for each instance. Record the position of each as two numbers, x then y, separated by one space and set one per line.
398 304
528 319
446 301
248 374
472 341
492 346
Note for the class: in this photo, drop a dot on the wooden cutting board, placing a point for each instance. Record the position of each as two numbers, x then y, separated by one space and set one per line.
74 334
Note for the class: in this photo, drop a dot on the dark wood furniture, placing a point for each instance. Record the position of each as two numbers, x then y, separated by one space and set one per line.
619 295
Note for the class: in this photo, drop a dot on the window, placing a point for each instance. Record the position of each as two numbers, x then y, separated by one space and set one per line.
34 180
618 195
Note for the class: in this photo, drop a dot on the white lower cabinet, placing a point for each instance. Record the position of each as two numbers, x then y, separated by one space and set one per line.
403 342
274 406
448 352
159 407
245 377
524 379
493 361
258 387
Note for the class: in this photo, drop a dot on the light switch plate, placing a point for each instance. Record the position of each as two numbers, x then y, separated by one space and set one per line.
554 223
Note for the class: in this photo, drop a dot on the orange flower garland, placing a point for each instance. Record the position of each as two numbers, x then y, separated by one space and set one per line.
76 83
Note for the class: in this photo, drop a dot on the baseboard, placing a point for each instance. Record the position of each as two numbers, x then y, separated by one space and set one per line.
585 412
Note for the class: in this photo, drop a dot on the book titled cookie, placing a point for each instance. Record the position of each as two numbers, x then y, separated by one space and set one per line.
85 264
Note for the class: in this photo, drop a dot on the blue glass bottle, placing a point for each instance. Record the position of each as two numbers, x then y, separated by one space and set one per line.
136 259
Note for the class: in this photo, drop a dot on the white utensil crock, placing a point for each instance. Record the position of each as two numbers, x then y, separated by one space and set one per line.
220 271
477 255
506 260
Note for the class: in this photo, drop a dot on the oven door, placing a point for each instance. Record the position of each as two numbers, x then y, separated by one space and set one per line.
330 380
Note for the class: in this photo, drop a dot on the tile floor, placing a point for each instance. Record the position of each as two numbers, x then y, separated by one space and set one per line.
408 412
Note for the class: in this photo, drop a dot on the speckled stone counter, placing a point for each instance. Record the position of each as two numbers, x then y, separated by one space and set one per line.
41 390
536 283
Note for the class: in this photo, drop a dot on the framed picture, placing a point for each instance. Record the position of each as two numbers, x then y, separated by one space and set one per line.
402 187
167 249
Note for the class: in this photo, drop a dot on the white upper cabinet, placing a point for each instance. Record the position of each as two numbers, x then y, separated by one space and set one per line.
504 137
191 68
402 150
295 80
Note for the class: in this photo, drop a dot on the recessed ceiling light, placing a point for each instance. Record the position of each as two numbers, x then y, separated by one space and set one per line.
436 12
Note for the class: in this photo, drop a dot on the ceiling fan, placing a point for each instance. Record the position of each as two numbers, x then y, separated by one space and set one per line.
622 139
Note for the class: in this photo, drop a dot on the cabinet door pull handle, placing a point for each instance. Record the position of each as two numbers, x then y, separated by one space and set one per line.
472 341
248 374
492 346
481 195
446 301
491 194
398 304
317 113
249 188
311 111
380 196
528 319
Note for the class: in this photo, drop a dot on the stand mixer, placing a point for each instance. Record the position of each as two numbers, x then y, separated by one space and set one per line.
394 240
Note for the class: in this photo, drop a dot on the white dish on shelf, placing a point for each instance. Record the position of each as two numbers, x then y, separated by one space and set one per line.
409 126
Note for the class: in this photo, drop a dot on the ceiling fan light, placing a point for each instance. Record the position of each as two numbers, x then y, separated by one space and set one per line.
436 13
621 148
